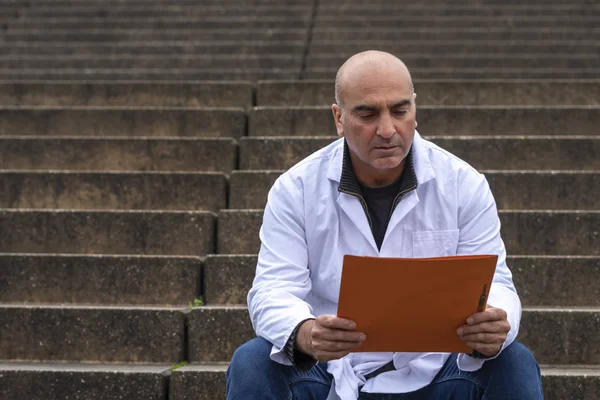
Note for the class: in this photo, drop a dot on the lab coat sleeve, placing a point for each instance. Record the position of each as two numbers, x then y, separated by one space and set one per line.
276 301
479 226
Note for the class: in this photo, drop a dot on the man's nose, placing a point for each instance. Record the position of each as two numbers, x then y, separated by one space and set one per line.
386 128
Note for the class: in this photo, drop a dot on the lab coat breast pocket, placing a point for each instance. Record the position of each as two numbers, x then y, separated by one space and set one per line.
435 243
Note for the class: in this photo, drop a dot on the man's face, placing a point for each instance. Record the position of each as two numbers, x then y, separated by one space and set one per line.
378 119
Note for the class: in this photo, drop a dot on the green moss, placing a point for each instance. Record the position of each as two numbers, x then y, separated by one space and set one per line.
181 364
198 302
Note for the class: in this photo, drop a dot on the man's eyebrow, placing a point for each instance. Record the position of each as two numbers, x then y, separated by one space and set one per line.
401 104
364 107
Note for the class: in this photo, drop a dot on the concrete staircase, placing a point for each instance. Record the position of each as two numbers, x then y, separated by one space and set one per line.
122 201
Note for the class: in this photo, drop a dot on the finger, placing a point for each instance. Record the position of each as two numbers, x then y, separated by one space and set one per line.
334 322
334 347
491 314
484 327
484 338
337 335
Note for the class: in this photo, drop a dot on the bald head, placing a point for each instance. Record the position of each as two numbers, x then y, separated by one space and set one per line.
367 63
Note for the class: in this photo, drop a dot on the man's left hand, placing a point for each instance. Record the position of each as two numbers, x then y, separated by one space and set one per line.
486 331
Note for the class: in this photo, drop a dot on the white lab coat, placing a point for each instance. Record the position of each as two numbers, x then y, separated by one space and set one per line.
309 226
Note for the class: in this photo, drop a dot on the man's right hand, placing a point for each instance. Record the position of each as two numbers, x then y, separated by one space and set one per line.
328 337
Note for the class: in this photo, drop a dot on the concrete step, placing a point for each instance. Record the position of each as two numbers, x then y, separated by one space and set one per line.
86 18
83 381
91 333
201 381
326 34
250 61
473 73
150 74
444 93
116 35
122 121
439 120
383 19
482 152
448 9
207 382
107 232
238 232
131 94
117 154
563 382
197 191
554 335
456 47
159 9
99 279
157 47
513 190
423 61
566 281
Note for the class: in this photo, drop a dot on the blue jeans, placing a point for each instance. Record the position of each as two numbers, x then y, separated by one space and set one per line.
513 375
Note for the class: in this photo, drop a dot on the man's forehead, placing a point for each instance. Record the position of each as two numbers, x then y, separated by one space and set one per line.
373 80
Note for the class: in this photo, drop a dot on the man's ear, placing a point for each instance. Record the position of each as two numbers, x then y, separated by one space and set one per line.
415 104
337 118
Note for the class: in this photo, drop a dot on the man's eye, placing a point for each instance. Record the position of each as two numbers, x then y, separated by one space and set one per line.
366 116
400 112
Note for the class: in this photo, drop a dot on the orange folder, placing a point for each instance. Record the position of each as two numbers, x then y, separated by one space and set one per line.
414 304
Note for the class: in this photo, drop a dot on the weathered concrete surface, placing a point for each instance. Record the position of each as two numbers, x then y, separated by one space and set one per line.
541 190
117 35
198 382
66 22
119 94
216 332
236 230
82 382
114 190
250 61
156 47
249 189
107 232
514 190
227 278
443 93
86 279
476 73
102 121
91 334
523 232
571 382
207 382
452 61
488 8
482 152
562 336
560 281
442 46
361 21
171 74
278 153
118 154
440 120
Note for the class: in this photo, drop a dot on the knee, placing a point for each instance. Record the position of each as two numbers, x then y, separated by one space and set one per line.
519 359
252 355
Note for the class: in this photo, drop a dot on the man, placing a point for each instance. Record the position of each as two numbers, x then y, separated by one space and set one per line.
384 191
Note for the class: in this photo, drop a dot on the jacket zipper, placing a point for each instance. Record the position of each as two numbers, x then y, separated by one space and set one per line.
364 205
398 197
